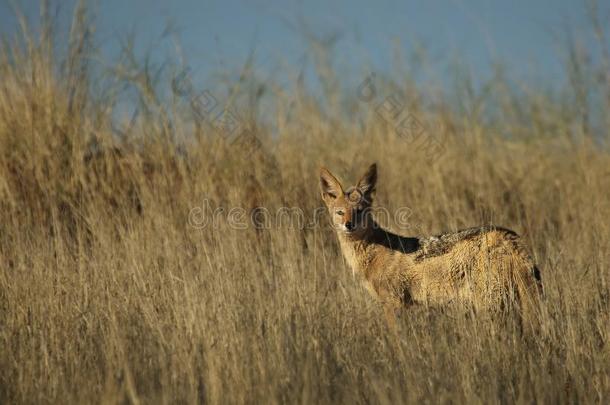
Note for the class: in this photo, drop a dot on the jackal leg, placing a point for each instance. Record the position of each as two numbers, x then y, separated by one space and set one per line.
390 316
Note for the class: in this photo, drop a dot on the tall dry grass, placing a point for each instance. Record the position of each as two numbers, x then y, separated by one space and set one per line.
108 293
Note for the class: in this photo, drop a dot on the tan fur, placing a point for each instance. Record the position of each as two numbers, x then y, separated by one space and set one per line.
487 267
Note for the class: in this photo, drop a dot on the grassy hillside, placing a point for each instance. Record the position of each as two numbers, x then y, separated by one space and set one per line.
118 283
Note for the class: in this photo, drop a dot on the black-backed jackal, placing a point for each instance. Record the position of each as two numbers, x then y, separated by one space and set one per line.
485 266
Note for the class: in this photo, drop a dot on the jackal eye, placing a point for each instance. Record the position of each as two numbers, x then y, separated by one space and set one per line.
340 212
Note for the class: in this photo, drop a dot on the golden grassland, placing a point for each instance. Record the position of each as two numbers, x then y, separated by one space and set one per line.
109 293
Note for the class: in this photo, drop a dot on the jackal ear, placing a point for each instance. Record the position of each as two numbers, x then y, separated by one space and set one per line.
329 185
366 184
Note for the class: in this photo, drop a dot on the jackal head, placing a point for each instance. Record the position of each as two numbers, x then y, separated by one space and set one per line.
350 210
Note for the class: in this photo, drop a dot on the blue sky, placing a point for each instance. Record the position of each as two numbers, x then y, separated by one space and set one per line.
525 35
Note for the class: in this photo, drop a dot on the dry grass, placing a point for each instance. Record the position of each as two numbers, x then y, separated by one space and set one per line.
107 294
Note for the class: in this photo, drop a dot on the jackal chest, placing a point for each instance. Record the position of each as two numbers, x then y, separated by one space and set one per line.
356 256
